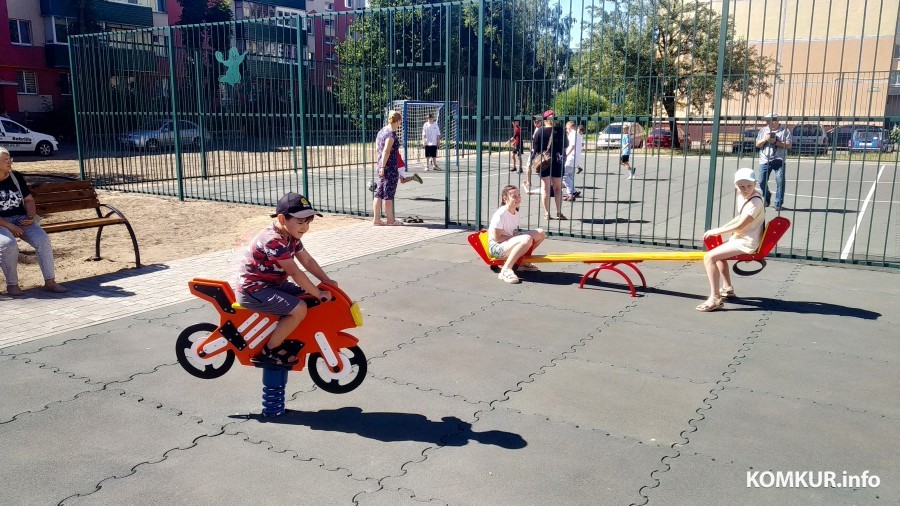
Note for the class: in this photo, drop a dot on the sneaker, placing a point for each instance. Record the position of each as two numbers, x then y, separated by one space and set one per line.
508 276
561 216
633 171
513 169
417 178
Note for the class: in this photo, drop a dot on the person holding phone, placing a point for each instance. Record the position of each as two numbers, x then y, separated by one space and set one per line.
773 142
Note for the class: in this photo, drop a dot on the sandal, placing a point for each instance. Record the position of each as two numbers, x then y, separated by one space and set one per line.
561 216
548 217
378 223
727 293
284 355
394 223
708 307
528 268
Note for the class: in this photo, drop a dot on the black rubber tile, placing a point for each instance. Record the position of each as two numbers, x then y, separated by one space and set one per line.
514 458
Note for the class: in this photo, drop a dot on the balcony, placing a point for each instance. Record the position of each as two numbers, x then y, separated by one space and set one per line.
57 55
109 12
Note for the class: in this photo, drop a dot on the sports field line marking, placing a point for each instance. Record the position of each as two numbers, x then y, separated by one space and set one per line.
847 199
846 251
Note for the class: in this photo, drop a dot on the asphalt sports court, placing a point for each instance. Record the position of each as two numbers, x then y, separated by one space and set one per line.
838 210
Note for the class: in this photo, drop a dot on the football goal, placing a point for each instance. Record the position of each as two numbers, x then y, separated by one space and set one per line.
415 114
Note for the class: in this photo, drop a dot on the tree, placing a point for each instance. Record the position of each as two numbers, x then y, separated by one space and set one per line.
666 51
86 19
204 11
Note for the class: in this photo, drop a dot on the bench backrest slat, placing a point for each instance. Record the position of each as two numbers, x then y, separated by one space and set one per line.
60 197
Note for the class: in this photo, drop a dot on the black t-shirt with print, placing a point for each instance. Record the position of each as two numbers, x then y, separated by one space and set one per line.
12 203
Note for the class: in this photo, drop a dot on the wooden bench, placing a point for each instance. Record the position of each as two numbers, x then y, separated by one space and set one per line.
52 198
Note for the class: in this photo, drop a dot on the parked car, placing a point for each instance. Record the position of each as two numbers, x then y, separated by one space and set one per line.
611 136
15 137
871 139
839 137
662 138
809 138
747 143
161 133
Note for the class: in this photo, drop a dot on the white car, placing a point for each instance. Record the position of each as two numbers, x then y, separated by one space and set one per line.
15 137
611 136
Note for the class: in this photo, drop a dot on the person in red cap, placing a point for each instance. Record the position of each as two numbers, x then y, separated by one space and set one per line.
270 281
551 137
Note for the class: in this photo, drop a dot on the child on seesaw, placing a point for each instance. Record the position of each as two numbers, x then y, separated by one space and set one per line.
748 227
268 262
504 239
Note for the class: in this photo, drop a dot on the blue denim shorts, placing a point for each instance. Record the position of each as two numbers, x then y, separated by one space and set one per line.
277 300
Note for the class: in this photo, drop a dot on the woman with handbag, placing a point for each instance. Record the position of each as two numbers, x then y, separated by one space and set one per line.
18 221
549 144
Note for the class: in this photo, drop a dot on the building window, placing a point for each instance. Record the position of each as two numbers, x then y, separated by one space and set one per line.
895 78
26 83
310 26
65 84
329 41
57 29
20 32
329 23
329 7
329 56
349 4
896 50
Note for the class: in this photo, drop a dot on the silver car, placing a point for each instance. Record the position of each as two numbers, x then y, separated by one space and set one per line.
162 133
611 136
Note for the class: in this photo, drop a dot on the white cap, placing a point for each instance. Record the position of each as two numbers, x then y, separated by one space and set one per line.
772 116
744 174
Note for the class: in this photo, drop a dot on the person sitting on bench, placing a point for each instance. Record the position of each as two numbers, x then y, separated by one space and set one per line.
17 221
504 239
748 228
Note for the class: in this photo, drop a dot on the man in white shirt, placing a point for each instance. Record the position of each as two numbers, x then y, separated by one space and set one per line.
431 135
573 157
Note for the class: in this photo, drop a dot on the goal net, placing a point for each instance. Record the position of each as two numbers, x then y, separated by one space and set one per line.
415 114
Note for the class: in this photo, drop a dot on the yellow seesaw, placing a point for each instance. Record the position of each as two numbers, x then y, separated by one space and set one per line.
611 261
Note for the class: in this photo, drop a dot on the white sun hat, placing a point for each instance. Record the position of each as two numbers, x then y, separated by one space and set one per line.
744 174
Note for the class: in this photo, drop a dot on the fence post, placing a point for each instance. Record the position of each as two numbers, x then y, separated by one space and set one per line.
179 176
200 115
479 133
447 116
299 34
75 90
301 102
717 115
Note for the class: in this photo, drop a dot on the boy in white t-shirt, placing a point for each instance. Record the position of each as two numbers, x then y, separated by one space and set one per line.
431 134
504 239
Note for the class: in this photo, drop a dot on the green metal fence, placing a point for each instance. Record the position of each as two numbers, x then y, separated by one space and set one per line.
246 110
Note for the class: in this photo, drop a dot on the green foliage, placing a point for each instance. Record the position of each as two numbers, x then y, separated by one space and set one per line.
579 100
665 52
87 20
895 134
204 11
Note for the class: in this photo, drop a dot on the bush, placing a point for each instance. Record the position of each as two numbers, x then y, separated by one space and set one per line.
582 101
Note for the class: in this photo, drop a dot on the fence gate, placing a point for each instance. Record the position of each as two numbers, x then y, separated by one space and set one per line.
244 111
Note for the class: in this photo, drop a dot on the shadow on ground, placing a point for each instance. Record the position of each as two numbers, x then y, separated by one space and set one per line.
388 427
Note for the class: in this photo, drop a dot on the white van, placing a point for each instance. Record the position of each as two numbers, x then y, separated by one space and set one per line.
611 136
15 137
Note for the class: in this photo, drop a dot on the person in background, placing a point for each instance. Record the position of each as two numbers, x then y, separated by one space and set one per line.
388 153
773 141
431 138
515 142
583 147
551 178
536 122
573 158
18 220
625 153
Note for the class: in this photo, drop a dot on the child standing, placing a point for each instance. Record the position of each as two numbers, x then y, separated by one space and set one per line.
504 239
573 159
263 283
626 150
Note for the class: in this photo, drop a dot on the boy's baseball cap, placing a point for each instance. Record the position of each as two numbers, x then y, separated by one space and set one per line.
744 174
549 113
771 117
296 205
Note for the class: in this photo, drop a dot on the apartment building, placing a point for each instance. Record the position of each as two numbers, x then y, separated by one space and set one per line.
34 57
837 58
